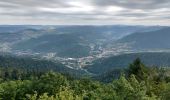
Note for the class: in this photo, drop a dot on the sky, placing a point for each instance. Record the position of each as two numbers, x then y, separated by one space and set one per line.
85 12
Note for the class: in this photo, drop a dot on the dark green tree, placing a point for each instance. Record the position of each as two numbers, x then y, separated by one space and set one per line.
138 69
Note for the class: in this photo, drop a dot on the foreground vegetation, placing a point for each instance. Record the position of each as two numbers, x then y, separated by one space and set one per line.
138 82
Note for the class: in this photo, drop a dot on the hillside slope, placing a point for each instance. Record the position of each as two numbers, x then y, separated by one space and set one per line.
32 63
105 64
148 40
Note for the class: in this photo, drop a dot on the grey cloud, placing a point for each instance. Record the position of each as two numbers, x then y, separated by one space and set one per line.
134 4
35 3
133 10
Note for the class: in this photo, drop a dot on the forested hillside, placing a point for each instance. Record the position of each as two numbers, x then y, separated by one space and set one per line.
84 63
36 65
65 45
120 61
138 82
152 40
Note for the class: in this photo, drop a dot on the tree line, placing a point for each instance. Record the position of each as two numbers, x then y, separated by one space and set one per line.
137 82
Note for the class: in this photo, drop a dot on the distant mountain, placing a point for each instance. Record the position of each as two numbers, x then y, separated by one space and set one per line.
72 41
121 61
11 28
65 45
158 39
16 28
74 46
8 37
113 31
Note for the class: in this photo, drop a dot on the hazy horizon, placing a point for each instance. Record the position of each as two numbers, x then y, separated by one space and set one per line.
81 25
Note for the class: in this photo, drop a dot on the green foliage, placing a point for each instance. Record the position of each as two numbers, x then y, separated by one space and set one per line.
138 69
50 82
131 89
14 90
140 83
14 67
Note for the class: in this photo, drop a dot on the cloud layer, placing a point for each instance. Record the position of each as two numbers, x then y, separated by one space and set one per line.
145 12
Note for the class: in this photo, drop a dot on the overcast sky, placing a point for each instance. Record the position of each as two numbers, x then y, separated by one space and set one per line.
144 12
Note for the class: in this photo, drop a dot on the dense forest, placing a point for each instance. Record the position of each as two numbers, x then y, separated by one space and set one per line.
35 65
136 82
121 61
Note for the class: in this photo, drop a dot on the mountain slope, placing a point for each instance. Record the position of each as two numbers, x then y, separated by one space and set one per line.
73 41
36 64
64 45
158 39
105 64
